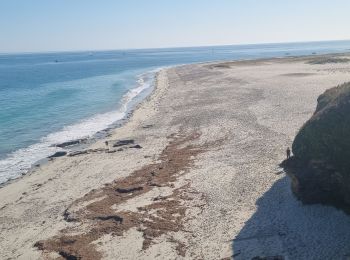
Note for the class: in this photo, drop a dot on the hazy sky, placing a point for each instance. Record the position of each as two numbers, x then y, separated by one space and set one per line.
55 25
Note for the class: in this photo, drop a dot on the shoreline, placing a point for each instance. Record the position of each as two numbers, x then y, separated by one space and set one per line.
83 143
90 140
210 138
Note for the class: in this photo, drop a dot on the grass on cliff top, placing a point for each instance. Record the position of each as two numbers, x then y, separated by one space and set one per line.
331 95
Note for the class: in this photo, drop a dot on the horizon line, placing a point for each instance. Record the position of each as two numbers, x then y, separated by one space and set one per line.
160 48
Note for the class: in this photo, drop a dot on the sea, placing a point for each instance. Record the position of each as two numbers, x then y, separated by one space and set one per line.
51 98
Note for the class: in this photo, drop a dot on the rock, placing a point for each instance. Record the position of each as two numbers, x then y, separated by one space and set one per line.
159 198
57 154
121 142
77 153
67 216
320 167
68 256
39 245
113 218
136 146
69 143
97 150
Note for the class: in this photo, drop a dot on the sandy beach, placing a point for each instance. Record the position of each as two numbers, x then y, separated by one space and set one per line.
196 175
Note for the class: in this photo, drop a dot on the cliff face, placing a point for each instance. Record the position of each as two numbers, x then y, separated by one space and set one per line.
320 167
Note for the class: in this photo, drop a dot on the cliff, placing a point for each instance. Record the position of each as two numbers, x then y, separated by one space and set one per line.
320 167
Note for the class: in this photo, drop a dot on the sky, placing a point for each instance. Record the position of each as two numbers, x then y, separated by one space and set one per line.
68 25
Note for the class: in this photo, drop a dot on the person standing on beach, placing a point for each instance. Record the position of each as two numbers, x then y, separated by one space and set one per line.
288 153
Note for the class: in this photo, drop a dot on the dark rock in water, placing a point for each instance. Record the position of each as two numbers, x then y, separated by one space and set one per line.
122 142
320 167
57 154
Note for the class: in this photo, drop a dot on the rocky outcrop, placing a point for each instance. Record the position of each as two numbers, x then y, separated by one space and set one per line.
320 167
121 142
57 154
72 142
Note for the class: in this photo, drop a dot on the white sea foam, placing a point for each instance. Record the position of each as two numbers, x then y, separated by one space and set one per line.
19 162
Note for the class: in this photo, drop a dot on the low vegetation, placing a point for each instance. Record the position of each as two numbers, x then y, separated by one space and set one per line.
327 60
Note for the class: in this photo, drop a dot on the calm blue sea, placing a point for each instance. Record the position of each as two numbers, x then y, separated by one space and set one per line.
50 98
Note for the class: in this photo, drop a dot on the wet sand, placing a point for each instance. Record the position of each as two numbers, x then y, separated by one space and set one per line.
199 181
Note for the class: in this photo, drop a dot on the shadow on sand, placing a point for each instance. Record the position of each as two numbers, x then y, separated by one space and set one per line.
284 228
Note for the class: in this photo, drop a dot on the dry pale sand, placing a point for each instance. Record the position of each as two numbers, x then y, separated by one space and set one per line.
205 184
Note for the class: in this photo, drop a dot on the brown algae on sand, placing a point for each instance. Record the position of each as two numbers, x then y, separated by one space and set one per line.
164 215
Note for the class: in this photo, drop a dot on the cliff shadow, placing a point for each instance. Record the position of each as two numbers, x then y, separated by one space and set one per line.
283 228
